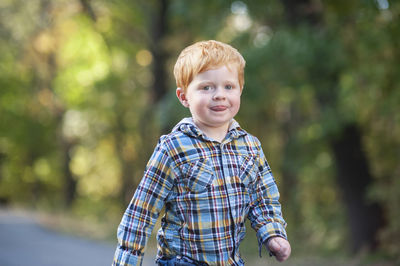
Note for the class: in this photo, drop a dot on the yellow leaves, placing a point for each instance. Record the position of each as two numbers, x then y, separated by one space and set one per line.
119 61
128 151
97 71
44 43
83 59
42 170
144 58
45 97
97 169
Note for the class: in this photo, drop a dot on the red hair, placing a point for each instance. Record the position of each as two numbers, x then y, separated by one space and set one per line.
206 55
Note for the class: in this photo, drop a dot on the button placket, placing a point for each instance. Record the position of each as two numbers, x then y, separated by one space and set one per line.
231 200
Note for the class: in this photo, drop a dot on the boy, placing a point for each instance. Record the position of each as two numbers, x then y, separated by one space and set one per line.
208 173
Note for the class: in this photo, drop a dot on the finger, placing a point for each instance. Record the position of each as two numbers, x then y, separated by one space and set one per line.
274 246
281 256
284 253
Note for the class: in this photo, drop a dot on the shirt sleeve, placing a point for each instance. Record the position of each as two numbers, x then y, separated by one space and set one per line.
265 212
139 218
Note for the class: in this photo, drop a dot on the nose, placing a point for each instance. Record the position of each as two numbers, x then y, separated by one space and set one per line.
219 94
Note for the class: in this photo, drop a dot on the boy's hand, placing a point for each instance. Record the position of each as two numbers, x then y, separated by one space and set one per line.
280 247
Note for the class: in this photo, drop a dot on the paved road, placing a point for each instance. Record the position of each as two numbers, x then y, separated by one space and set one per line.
24 242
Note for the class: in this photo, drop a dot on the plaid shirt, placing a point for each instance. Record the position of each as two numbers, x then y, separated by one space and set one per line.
208 189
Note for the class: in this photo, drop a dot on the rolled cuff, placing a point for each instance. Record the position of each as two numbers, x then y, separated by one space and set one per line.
126 258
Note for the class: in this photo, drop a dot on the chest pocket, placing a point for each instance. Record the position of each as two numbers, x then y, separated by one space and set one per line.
196 176
248 172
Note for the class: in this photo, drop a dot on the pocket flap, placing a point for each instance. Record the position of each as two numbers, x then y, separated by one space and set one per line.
196 175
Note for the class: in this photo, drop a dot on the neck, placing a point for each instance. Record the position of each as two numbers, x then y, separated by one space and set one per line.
215 133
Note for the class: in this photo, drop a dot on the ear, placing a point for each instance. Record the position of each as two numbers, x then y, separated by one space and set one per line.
182 97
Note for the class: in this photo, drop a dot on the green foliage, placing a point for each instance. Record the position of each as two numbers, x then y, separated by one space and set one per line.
71 80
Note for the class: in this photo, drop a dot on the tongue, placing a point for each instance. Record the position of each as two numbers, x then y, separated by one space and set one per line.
218 108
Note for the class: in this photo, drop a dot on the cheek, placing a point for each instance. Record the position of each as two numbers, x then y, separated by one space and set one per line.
198 105
236 102
200 102
237 108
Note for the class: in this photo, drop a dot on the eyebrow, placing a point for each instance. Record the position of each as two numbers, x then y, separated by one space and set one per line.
206 82
211 82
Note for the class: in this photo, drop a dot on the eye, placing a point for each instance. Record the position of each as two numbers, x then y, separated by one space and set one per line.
207 88
228 87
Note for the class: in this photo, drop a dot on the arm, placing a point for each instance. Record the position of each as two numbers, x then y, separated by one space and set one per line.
265 212
142 213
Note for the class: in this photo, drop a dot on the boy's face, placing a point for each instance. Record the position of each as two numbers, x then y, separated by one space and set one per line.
213 98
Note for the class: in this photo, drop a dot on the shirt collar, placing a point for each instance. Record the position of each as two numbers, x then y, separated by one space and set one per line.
188 127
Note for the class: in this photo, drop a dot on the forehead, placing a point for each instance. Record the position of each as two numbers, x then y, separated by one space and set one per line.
218 74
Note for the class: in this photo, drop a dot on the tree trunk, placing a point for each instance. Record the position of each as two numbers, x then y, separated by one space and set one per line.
69 180
354 178
159 29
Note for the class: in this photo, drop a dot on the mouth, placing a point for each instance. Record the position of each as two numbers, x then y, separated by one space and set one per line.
218 108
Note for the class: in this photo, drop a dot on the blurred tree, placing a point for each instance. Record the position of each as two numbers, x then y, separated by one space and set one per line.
353 175
314 55
26 125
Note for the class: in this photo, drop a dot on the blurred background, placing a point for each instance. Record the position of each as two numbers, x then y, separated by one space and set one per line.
86 89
